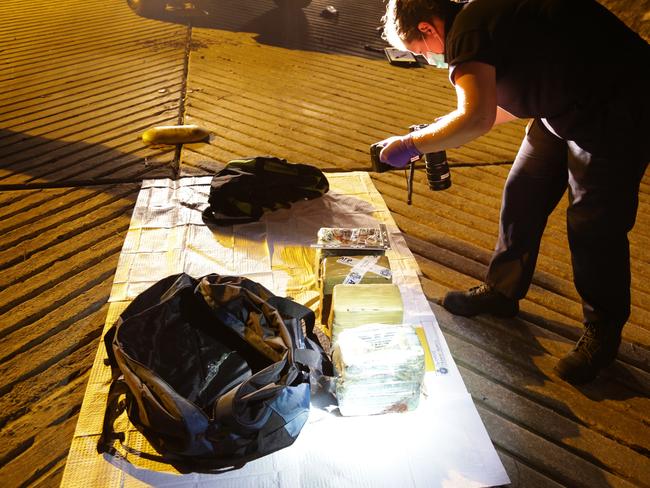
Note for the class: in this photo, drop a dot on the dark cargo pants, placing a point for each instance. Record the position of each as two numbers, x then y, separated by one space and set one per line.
603 201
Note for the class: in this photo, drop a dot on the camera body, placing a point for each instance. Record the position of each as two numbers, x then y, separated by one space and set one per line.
377 164
436 165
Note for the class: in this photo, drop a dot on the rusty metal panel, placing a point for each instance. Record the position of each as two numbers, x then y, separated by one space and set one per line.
58 253
301 86
80 81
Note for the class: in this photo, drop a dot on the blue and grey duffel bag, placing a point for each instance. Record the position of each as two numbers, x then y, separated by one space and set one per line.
215 371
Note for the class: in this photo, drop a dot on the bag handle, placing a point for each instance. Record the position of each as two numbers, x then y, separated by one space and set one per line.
289 308
216 218
310 353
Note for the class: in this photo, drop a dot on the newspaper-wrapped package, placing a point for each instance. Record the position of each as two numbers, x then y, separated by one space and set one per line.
355 305
380 369
350 270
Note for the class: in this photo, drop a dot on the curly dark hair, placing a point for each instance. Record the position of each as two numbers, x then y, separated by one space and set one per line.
403 16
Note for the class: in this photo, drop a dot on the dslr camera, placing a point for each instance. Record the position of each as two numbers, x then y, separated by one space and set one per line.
437 168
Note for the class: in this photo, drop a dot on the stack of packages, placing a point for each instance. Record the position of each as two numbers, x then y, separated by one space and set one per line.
379 361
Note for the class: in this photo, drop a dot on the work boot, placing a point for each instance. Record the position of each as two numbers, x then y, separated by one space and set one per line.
595 350
480 299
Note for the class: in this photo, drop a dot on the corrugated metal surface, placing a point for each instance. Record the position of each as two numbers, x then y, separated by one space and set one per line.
303 87
58 254
79 83
464 220
595 435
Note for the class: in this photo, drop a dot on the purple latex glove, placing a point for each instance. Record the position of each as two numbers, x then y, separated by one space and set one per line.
398 151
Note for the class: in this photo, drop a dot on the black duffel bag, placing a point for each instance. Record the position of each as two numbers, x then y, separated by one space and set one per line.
214 371
246 188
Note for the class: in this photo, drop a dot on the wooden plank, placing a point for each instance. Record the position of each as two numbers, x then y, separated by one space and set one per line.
540 307
20 346
59 343
161 90
13 204
100 82
51 477
101 143
69 333
53 302
562 293
117 110
96 264
47 448
523 476
47 78
106 38
23 395
62 404
461 260
59 251
80 161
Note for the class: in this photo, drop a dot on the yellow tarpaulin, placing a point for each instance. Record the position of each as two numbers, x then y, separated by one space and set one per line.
442 443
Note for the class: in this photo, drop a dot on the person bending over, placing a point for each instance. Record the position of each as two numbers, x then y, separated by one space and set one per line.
582 77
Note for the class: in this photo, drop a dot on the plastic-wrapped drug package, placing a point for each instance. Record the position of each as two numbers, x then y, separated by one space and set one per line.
350 270
341 241
380 369
355 305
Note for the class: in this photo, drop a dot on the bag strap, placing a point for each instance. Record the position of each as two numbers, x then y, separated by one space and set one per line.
105 444
114 409
311 353
108 345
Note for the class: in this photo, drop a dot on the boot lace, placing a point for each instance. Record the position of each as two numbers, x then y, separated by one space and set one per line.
481 289
588 343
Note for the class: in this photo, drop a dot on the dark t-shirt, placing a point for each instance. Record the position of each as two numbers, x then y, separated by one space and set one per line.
570 62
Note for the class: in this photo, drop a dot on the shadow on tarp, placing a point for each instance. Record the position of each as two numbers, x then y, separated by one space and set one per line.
282 24
148 476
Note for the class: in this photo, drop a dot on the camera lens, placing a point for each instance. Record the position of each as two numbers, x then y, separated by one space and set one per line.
438 174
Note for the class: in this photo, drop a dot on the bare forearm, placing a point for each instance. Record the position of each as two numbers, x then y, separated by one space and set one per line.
451 130
475 114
